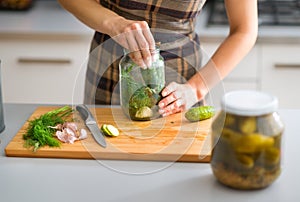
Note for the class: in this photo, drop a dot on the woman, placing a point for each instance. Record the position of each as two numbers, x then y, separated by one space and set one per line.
129 22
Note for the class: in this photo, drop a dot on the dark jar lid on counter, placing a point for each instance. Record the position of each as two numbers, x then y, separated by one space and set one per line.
16 5
246 137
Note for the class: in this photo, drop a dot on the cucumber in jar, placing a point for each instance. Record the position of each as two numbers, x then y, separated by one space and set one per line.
141 87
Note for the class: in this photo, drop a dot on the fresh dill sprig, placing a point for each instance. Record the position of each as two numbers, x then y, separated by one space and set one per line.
39 134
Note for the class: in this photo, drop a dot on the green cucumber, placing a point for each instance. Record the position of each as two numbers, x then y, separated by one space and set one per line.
200 113
144 112
109 130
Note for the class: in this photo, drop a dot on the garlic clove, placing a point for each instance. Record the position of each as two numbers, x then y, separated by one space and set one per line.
83 134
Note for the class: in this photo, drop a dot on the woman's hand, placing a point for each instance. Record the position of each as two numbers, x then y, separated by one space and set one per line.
132 35
177 98
136 37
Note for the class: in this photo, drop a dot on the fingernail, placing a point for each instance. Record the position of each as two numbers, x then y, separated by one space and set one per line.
161 105
142 64
164 94
148 62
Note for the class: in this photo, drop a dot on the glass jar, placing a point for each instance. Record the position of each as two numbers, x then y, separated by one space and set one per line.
2 125
246 137
140 87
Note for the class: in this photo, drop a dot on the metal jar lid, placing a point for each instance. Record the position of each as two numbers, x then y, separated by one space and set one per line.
249 103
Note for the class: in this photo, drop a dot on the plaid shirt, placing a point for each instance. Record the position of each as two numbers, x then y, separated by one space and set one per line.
172 23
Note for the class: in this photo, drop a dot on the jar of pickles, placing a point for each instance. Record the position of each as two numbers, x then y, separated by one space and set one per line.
140 87
246 137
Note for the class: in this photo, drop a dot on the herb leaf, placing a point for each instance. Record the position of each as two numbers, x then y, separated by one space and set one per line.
39 133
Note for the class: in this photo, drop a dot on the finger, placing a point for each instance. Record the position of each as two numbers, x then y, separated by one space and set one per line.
136 55
148 35
178 104
172 109
169 95
143 46
173 106
168 100
169 89
151 43
121 39
173 112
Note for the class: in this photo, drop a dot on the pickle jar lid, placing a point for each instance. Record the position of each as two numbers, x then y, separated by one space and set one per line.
249 103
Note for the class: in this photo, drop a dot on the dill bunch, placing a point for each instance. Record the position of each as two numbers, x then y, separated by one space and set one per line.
39 134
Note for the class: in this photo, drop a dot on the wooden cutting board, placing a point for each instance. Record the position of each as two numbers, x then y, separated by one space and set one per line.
171 138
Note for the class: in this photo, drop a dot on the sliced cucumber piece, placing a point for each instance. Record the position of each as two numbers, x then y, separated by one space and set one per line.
102 129
110 130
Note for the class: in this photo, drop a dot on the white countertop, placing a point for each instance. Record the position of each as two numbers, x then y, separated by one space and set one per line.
35 180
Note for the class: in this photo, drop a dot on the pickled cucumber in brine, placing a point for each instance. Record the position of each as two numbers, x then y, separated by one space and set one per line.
142 104
247 124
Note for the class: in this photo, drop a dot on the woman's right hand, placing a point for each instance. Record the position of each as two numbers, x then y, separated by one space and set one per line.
136 37
132 35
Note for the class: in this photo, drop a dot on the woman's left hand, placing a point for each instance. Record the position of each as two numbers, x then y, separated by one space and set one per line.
177 98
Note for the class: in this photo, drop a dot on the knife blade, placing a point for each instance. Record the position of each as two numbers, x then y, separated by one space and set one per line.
91 124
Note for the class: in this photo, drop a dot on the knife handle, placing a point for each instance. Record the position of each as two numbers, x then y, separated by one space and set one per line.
85 114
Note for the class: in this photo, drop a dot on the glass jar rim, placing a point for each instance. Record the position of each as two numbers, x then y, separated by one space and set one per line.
249 103
153 51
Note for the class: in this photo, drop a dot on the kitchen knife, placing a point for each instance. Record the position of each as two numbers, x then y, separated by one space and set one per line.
91 123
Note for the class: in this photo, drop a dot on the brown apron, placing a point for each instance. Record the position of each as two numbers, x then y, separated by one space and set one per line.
172 23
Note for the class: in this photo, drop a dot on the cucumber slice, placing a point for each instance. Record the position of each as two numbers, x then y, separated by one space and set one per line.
110 130
103 127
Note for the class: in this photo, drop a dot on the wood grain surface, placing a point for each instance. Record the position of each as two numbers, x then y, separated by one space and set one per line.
171 138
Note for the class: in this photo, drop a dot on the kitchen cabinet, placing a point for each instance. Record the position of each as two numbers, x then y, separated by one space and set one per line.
246 74
270 67
43 68
281 73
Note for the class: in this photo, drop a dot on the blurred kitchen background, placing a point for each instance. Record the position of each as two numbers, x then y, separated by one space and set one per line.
271 13
43 51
